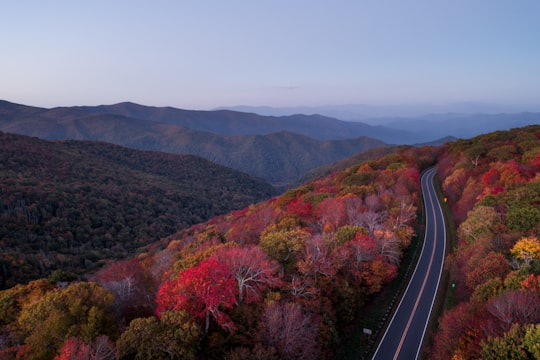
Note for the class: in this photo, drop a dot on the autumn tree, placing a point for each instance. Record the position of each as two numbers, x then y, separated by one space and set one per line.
290 330
247 228
531 340
346 233
508 346
75 349
526 250
300 208
371 220
388 246
131 285
516 306
523 218
253 270
480 222
174 335
353 207
493 265
454 184
204 291
80 310
403 214
14 299
330 213
283 244
315 258
356 252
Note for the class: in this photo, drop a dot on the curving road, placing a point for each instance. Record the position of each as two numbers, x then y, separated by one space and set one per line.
405 333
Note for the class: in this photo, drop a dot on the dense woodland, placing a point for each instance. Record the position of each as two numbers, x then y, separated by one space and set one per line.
280 279
71 205
492 183
286 278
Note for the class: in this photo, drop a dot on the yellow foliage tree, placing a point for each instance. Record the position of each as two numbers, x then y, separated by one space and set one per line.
526 249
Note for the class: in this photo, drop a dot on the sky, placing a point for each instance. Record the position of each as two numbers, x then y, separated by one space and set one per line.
205 54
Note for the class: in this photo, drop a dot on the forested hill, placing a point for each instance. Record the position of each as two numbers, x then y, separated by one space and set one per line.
281 279
73 204
492 184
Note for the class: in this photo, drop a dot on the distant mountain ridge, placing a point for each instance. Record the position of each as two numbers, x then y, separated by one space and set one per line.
371 114
228 122
278 157
421 124
278 149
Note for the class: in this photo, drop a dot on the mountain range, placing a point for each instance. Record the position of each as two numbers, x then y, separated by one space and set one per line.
278 149
261 146
422 123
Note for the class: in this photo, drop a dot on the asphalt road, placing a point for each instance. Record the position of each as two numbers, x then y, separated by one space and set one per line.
405 333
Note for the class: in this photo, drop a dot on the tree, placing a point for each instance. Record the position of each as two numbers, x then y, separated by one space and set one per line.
247 228
526 249
516 306
76 349
80 310
523 218
173 336
531 340
480 222
330 213
402 215
454 184
131 285
283 244
508 346
353 207
452 325
203 291
493 265
252 269
388 246
316 259
346 233
291 331
360 250
300 209
372 220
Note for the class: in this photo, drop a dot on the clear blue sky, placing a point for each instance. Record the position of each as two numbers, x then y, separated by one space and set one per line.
203 54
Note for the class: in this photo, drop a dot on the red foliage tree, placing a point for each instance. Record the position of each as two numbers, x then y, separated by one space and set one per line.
330 213
131 284
517 306
456 327
300 208
246 228
493 265
253 270
202 291
76 349
532 283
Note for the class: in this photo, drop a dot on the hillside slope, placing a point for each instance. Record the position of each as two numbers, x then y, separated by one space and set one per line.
492 185
279 158
282 279
72 204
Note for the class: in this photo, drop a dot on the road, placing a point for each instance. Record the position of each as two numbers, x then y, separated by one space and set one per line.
405 333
